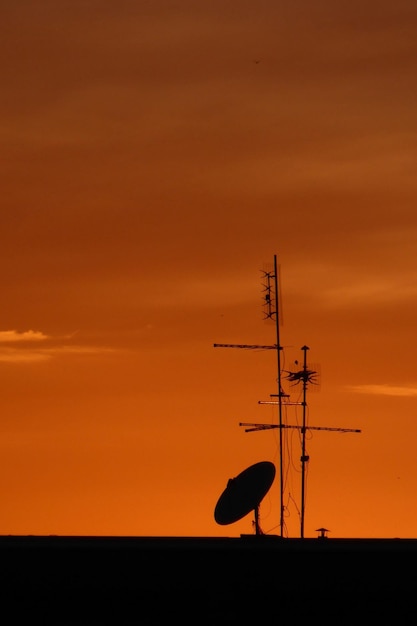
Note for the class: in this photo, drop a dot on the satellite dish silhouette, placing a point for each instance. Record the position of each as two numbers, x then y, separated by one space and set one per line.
244 494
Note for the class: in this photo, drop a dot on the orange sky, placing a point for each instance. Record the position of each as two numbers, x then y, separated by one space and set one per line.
156 155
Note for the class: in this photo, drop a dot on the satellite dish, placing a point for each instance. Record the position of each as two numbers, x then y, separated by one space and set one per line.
245 493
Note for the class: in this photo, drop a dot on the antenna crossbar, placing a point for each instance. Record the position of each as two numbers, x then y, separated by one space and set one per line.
247 346
274 402
254 426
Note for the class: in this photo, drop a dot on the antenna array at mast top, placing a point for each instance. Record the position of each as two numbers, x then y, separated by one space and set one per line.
269 297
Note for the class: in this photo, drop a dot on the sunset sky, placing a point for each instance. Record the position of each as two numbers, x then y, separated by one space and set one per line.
156 156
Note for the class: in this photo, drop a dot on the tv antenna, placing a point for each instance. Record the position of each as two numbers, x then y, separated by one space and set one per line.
304 376
271 308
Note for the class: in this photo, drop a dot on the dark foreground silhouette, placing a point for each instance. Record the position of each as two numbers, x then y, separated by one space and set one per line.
259 579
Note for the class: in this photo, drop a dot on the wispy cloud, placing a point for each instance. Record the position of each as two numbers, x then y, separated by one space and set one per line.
10 355
385 390
24 349
336 287
12 336
371 289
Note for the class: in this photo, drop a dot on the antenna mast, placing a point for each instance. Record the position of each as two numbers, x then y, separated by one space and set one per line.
304 457
305 376
272 312
271 304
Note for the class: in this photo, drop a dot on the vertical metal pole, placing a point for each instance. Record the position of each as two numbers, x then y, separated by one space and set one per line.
257 527
281 472
304 457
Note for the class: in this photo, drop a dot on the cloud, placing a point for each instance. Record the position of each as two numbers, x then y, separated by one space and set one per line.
22 356
12 336
23 353
336 287
374 290
384 390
